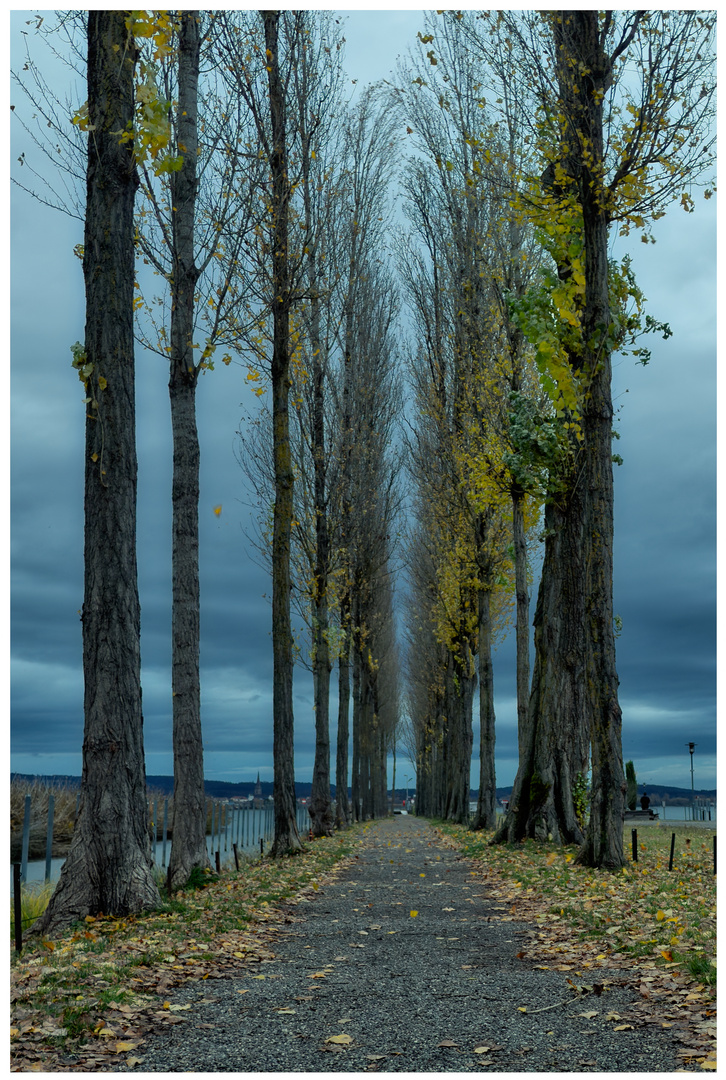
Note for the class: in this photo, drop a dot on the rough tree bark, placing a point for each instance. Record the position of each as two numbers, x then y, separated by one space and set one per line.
287 839
342 804
554 743
460 682
486 807
108 868
189 848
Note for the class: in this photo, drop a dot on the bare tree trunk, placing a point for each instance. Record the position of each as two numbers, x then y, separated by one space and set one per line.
321 810
522 615
355 779
486 809
554 746
189 848
342 806
108 868
458 738
287 839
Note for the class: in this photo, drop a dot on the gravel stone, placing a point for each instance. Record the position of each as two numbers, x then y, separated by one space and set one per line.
438 991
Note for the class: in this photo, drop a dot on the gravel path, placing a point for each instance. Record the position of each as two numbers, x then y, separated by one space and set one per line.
437 991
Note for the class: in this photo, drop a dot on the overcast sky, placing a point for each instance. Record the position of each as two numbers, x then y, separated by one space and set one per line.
665 555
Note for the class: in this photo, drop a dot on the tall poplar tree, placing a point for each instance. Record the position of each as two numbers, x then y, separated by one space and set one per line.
108 868
623 107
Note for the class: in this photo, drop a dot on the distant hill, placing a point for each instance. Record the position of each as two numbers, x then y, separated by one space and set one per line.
222 789
658 793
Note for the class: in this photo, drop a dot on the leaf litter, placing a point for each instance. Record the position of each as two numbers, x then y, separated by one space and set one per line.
657 924
85 999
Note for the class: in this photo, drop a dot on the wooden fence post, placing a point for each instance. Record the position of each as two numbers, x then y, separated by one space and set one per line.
163 841
26 840
49 836
18 908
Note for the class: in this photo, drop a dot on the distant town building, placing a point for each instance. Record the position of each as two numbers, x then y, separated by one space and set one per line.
257 801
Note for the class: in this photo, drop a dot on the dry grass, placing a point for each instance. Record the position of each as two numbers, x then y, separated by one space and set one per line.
63 818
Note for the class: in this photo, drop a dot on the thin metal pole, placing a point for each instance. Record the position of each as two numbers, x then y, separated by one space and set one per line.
49 836
673 847
634 838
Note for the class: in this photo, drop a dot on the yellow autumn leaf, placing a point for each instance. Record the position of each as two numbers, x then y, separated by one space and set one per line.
623 1027
217 510
660 915
709 1063
340 1040
414 914
133 1061
106 1031
123 1047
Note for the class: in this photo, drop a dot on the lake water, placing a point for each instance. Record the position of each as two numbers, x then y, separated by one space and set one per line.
247 826
244 828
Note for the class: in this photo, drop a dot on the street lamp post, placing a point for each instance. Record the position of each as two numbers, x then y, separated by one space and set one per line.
408 778
691 747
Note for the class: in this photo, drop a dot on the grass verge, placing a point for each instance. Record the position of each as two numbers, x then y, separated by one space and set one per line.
645 913
97 984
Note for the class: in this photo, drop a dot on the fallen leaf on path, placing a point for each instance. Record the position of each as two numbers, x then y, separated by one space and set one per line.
414 914
448 1043
624 1027
340 1040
